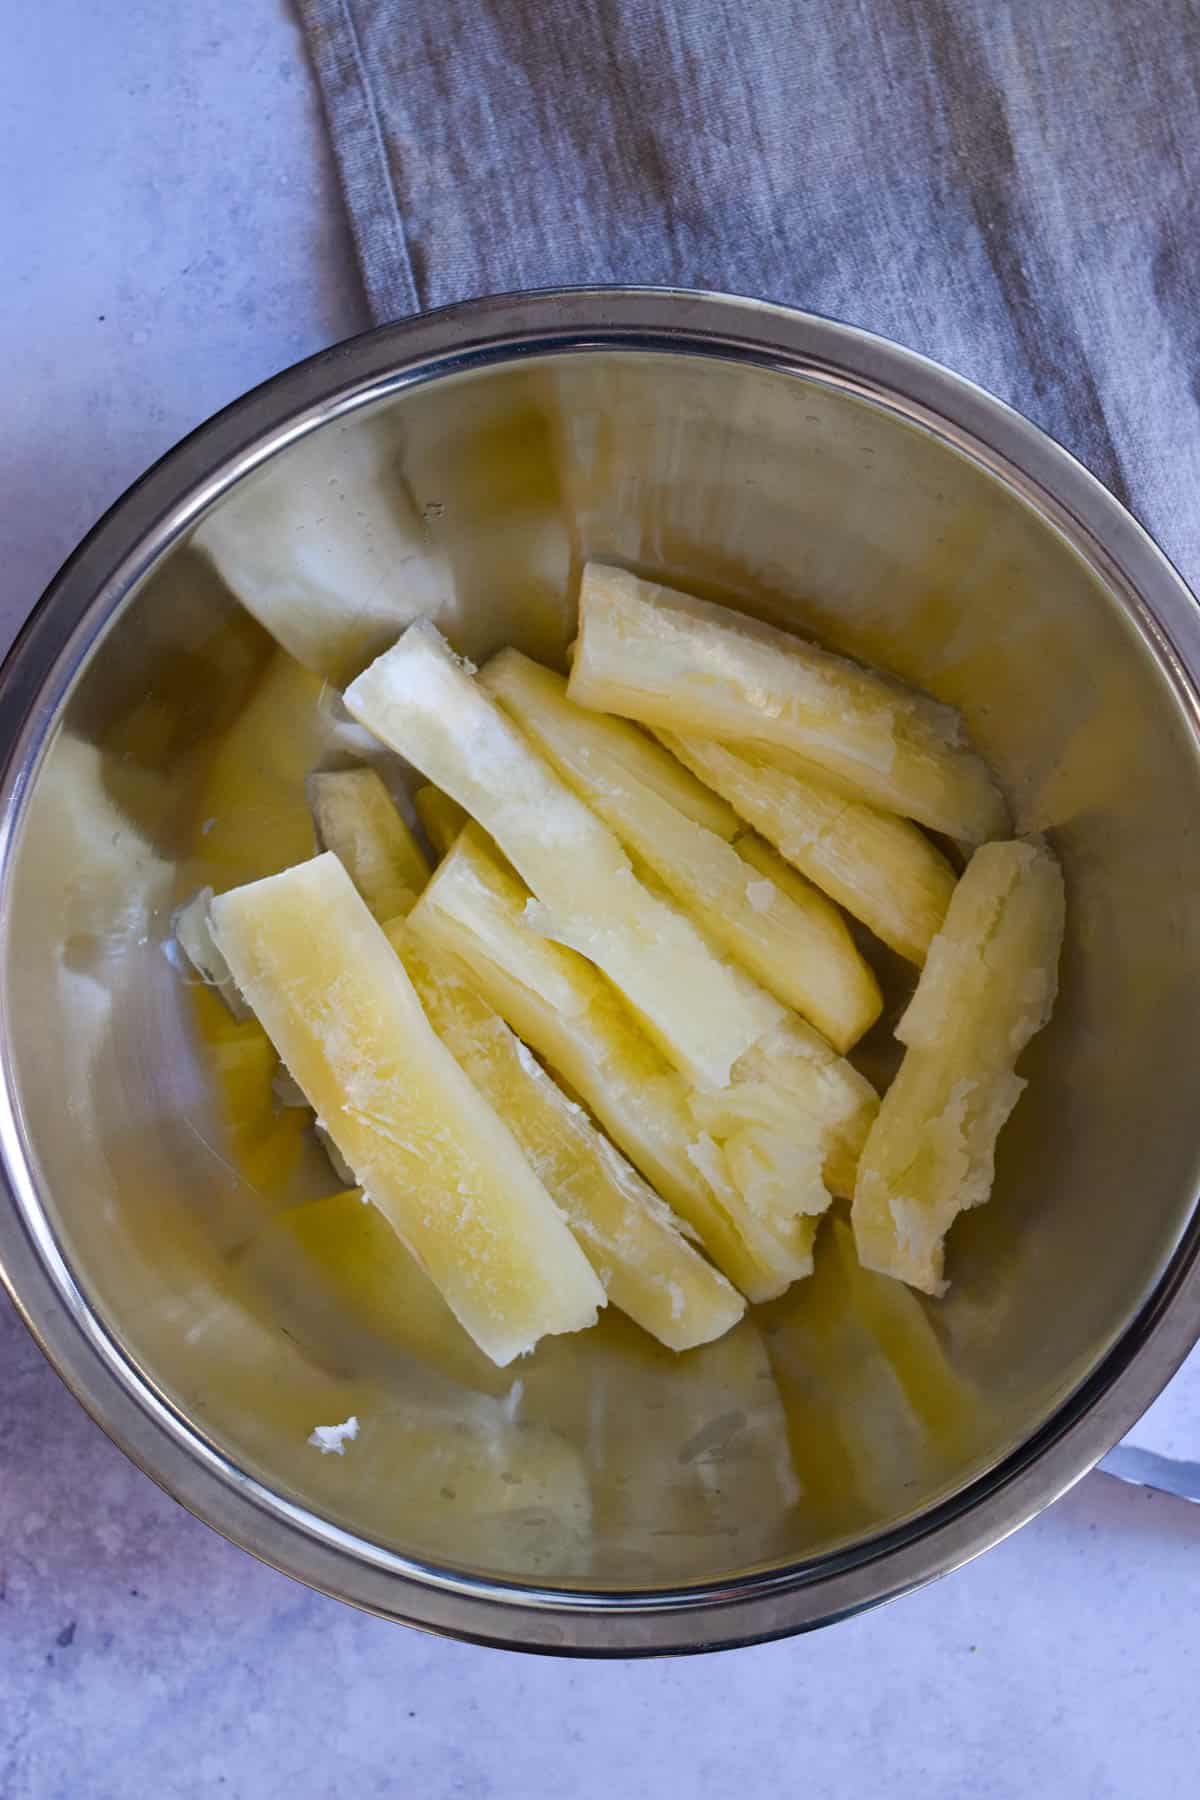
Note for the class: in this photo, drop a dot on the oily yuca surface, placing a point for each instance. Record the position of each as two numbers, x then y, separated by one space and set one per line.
791 938
474 908
680 664
420 701
881 868
988 985
447 1174
628 1235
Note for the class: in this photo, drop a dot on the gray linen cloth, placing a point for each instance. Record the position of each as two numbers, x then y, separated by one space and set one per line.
1011 186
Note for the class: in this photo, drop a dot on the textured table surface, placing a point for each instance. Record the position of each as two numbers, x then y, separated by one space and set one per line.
172 236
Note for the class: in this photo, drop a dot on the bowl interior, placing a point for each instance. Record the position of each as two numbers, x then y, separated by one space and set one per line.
166 1163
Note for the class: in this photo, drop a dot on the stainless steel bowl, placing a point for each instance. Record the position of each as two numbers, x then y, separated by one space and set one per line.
851 1442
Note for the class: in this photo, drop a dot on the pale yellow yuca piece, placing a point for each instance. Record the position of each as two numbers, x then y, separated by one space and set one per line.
358 820
795 942
988 985
626 1232
474 909
851 989
781 1175
778 1171
420 700
881 868
790 1125
441 817
844 998
793 1063
446 1173
597 743
793 1083
681 664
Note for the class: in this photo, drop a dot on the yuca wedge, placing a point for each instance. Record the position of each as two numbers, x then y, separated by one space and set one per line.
780 1175
794 1083
881 868
988 985
420 700
626 1232
475 908
680 664
422 1142
441 817
358 820
761 856
604 749
792 939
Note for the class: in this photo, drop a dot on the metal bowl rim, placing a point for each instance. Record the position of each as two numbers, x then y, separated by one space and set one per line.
66 625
